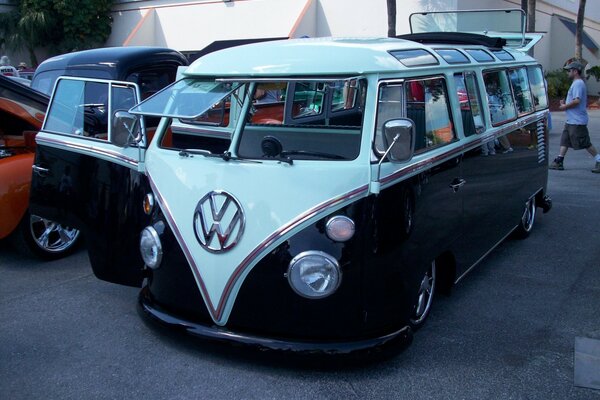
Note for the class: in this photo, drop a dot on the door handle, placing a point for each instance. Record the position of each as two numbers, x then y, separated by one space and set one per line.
457 183
40 170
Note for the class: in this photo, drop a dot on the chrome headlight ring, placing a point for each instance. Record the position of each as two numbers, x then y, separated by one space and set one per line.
314 274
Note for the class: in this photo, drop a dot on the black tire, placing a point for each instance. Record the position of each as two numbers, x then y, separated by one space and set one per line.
527 220
424 299
43 238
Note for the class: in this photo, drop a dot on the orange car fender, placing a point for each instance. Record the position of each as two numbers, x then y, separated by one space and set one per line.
15 181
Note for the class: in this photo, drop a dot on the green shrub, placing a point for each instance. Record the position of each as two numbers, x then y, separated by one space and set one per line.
595 72
558 83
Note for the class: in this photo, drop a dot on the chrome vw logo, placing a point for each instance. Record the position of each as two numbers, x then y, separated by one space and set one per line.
218 221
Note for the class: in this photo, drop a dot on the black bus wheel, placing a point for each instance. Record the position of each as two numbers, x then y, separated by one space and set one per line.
424 299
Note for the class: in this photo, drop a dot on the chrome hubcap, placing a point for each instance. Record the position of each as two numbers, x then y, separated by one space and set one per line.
50 236
425 296
528 216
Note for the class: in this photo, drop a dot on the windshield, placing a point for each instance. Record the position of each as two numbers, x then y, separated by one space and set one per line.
187 98
280 120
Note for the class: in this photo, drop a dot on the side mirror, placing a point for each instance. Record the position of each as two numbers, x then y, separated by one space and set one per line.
399 139
126 129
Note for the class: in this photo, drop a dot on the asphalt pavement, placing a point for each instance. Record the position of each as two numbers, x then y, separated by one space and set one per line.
507 332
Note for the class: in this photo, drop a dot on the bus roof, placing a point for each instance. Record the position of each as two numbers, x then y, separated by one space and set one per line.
325 56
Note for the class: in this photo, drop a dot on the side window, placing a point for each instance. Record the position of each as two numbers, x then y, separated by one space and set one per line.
344 96
152 80
538 87
427 106
389 107
83 108
79 108
470 103
500 100
308 99
520 86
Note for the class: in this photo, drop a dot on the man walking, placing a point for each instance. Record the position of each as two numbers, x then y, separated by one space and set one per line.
575 134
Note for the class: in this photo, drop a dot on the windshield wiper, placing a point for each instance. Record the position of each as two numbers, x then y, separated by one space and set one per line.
189 152
224 156
309 153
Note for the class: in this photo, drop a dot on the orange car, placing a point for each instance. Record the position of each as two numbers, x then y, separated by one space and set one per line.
22 112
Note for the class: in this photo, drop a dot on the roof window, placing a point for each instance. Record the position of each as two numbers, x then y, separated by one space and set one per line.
415 58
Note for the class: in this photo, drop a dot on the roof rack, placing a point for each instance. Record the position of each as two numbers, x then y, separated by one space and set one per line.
456 38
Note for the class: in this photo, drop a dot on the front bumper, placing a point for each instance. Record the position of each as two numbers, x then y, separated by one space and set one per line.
395 339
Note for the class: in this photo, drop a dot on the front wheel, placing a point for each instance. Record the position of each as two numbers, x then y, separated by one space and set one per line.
44 238
424 297
526 224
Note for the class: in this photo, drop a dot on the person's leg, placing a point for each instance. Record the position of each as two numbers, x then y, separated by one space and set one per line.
592 150
563 151
565 143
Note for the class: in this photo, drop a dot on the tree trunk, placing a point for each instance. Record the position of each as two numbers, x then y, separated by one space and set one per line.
32 57
579 31
530 16
391 14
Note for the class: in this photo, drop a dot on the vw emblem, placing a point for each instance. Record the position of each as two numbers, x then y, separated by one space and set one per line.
218 221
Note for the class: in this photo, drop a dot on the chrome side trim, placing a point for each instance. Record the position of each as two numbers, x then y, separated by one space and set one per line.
413 169
83 148
217 312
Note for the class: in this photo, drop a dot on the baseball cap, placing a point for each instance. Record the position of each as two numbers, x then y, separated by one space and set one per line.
574 65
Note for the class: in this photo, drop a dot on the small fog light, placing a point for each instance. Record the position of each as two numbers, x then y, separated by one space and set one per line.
151 247
340 228
314 274
148 203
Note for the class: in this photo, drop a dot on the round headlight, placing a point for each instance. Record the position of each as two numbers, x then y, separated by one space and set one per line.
314 274
340 228
150 247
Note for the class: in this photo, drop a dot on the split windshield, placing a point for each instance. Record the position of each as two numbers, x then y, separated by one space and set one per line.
281 120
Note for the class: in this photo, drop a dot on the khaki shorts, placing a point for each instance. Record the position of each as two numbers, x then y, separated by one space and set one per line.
576 137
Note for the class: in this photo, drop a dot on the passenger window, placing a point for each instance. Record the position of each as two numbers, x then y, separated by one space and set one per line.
308 99
427 106
344 96
500 100
152 80
538 87
470 103
520 86
389 107
79 108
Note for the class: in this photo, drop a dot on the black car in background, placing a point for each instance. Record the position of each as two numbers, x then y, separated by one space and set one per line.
151 68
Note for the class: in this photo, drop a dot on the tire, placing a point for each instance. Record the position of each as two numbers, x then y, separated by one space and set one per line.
44 238
424 298
527 220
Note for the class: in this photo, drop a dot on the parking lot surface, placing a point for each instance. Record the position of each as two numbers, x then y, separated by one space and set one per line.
507 332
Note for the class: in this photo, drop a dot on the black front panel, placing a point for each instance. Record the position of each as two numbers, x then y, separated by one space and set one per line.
102 199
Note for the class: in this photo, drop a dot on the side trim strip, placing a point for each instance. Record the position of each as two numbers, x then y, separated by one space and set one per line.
88 149
217 312
412 169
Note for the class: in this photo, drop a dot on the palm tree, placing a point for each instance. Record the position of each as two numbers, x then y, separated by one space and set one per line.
28 28
579 30
391 14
